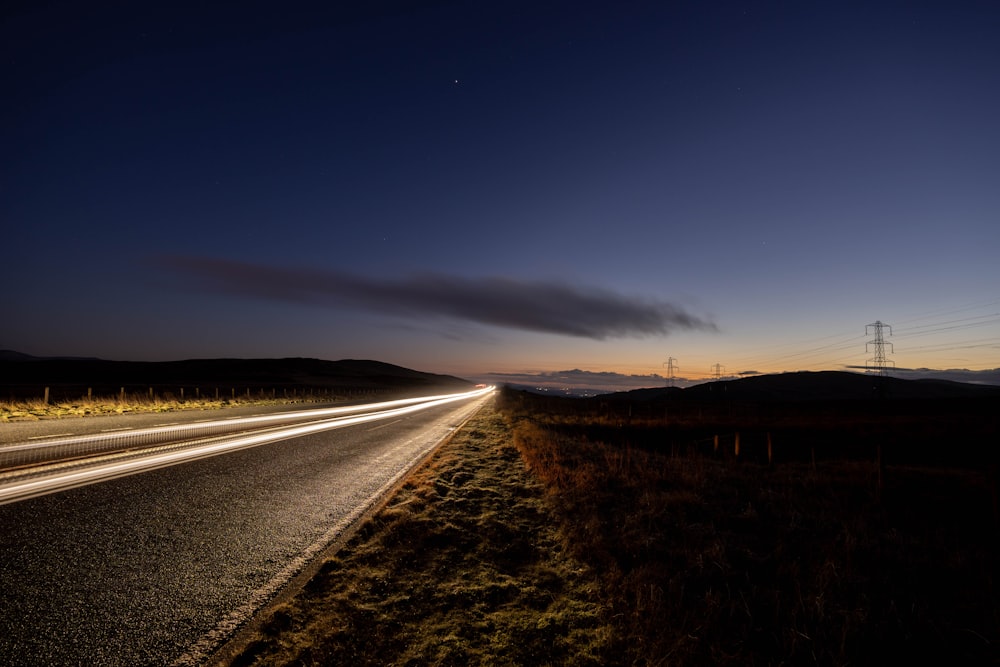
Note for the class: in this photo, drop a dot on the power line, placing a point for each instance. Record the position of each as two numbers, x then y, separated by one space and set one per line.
949 311
968 325
927 324
939 329
958 345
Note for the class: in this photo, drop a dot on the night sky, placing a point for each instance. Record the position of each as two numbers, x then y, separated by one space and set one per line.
504 188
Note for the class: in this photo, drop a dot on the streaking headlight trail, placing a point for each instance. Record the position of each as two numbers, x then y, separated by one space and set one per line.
171 445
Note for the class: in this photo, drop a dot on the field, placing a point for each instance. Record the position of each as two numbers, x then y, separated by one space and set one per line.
576 532
704 558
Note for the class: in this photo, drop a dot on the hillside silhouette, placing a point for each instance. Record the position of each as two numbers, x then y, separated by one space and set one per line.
811 386
22 375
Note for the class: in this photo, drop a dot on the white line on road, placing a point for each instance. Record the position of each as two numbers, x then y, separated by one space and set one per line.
384 425
50 435
111 430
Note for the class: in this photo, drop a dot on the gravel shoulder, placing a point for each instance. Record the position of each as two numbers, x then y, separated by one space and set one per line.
464 565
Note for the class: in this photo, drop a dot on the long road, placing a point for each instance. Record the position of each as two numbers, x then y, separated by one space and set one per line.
159 566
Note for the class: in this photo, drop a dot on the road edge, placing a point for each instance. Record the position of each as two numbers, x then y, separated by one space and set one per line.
225 653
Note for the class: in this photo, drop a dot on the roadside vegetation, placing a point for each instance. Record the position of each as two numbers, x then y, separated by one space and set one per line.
465 565
703 558
36 409
560 533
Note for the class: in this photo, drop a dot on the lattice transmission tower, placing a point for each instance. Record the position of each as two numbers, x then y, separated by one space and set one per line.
878 364
717 370
672 366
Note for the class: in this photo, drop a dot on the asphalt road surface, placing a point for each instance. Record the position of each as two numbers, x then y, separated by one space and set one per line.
157 568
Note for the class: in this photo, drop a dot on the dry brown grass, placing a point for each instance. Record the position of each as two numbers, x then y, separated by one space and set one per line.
33 410
707 561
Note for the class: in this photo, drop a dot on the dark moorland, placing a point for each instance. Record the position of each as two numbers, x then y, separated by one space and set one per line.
826 518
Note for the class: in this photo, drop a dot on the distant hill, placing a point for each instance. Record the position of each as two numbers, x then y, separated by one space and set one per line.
811 386
23 373
11 355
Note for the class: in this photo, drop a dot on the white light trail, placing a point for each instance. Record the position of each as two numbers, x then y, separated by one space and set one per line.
35 453
22 490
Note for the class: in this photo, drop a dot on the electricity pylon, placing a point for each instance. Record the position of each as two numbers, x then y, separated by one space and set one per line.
672 366
878 364
717 369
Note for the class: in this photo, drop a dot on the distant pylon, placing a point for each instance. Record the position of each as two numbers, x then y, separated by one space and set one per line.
878 364
672 366
717 370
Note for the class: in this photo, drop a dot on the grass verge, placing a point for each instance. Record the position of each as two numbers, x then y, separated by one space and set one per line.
13 411
463 566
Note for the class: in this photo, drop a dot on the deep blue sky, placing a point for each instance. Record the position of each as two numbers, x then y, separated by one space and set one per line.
504 187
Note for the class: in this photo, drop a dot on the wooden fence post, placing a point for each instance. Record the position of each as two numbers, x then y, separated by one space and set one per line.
770 450
90 393
880 464
736 448
46 398
995 488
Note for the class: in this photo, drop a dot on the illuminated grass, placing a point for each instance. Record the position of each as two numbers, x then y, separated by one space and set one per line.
35 410
463 566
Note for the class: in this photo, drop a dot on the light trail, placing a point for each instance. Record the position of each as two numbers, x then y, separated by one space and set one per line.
33 453
23 489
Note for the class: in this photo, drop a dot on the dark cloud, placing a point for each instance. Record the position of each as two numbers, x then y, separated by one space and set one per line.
547 307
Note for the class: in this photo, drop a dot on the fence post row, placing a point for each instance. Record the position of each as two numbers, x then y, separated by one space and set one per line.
150 393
